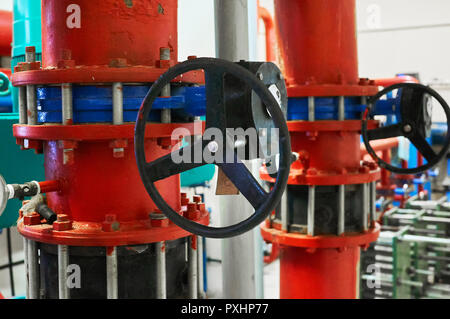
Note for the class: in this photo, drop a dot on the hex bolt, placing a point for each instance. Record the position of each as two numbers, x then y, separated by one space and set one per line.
30 54
161 291
30 57
164 54
112 287
33 269
67 103
341 109
192 267
68 156
197 199
166 114
23 118
311 210
63 263
311 109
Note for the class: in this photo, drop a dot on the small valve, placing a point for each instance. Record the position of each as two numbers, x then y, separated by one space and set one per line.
19 191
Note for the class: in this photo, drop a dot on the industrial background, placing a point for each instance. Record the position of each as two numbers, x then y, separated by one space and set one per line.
380 232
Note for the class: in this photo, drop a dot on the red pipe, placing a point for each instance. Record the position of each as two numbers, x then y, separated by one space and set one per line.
380 145
318 48
7 72
383 146
319 274
271 41
49 186
385 82
5 32
274 253
317 41
97 32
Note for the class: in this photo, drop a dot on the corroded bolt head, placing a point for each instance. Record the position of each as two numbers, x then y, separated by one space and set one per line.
197 199
62 218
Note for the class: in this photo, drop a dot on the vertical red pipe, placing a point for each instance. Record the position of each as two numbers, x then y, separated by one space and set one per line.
5 32
385 174
271 41
317 41
318 47
95 32
319 274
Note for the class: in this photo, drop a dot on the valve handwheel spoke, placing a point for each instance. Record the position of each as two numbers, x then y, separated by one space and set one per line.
243 179
164 167
385 132
216 117
414 123
215 95
423 147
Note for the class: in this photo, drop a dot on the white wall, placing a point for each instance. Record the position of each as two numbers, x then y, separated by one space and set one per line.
6 5
406 36
196 28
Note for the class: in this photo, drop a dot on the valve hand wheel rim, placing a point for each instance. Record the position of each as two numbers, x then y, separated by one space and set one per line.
409 127
263 202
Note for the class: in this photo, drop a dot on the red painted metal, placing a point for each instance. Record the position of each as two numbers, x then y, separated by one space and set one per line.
329 154
398 79
98 132
108 30
366 173
49 186
274 254
95 185
327 126
383 149
318 48
5 32
96 234
379 145
7 72
100 199
319 274
98 74
317 43
271 40
272 232
108 45
332 90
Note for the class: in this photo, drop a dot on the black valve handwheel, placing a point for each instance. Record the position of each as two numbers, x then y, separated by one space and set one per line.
161 168
412 125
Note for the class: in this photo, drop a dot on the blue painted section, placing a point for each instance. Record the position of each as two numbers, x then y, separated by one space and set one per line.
438 133
93 104
326 108
5 104
194 99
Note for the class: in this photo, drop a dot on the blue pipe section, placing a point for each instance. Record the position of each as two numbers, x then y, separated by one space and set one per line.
93 104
